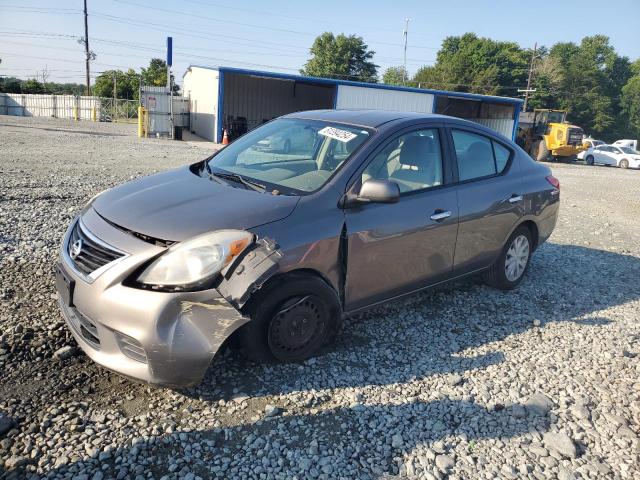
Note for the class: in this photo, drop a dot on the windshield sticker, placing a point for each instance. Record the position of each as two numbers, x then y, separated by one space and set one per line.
337 134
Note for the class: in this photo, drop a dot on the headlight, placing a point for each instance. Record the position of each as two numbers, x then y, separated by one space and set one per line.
192 261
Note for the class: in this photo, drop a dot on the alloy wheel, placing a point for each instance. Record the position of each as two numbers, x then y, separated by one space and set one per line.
517 257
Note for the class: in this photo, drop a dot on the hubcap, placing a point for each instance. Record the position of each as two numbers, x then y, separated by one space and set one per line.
517 258
296 326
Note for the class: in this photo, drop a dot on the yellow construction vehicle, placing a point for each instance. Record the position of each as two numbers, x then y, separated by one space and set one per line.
546 135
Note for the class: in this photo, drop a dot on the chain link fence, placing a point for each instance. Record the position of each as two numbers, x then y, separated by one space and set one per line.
118 110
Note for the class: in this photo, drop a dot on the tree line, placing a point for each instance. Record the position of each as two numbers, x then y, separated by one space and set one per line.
599 88
126 83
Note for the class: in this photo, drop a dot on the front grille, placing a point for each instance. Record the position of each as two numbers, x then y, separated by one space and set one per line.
575 136
88 254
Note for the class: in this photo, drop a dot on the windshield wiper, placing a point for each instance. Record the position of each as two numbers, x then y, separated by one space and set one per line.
258 187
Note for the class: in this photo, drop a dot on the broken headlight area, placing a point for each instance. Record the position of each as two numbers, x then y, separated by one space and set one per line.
193 264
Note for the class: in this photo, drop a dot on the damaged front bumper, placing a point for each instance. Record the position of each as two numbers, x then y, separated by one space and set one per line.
157 337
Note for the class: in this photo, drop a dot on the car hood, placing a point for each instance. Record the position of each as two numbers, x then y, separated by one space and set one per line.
178 204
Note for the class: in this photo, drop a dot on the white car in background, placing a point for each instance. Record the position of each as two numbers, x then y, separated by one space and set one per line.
591 143
623 157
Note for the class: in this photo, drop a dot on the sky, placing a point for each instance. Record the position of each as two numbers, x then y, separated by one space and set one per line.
276 35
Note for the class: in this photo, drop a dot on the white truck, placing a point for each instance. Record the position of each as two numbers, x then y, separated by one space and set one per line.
626 143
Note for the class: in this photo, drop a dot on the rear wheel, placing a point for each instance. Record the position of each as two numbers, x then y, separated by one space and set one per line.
589 160
291 320
624 163
509 269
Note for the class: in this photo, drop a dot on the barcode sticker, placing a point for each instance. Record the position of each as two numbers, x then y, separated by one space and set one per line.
337 134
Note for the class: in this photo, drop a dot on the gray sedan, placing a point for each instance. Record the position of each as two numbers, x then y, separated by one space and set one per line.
276 248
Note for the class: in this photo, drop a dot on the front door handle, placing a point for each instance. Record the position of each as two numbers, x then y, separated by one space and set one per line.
440 215
515 198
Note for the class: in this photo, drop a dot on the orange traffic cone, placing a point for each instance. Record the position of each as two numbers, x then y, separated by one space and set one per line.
225 137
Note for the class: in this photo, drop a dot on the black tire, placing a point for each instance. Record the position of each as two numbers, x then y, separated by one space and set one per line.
542 153
589 160
624 163
496 275
278 329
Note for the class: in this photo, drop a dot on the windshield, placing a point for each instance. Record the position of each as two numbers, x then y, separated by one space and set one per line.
294 155
629 150
556 117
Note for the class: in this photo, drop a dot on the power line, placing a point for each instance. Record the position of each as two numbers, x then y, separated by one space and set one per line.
218 20
280 53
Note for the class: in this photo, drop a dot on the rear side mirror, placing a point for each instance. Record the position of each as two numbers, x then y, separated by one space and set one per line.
378 191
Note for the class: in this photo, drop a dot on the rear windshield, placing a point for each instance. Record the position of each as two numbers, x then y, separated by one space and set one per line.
291 155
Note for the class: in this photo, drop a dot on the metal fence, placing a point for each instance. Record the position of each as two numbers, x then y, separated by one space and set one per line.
69 106
118 110
57 106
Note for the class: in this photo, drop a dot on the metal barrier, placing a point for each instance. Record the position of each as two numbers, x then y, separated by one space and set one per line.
56 106
118 110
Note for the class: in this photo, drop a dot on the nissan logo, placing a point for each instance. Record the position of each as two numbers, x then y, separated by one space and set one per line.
76 248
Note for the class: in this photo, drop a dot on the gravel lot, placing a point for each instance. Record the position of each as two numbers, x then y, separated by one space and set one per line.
460 382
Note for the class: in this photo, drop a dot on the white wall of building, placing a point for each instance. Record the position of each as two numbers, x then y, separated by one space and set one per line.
352 97
200 85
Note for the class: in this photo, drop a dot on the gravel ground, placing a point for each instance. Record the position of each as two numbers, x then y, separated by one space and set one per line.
460 382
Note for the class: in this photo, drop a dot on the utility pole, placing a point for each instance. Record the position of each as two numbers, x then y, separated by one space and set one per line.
115 91
405 33
528 90
86 47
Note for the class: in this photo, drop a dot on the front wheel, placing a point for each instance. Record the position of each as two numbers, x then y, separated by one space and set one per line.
624 163
291 320
509 269
589 160
542 153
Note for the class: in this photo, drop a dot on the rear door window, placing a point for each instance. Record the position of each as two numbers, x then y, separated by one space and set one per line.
478 156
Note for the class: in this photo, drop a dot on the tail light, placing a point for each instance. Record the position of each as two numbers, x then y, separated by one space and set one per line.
553 181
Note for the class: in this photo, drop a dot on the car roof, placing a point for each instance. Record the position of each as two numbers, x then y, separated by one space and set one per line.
363 118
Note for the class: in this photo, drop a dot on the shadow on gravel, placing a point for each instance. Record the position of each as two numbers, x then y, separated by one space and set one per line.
73 130
363 440
427 334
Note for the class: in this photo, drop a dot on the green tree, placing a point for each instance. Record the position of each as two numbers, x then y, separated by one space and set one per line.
155 73
630 102
469 63
591 82
127 84
10 85
394 76
32 86
341 56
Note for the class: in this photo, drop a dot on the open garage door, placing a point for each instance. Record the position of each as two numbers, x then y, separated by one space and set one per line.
497 116
251 100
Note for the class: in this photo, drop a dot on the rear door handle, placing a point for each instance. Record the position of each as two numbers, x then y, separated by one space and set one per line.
440 215
515 198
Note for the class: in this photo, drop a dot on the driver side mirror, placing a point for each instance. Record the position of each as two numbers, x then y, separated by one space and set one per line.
378 191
